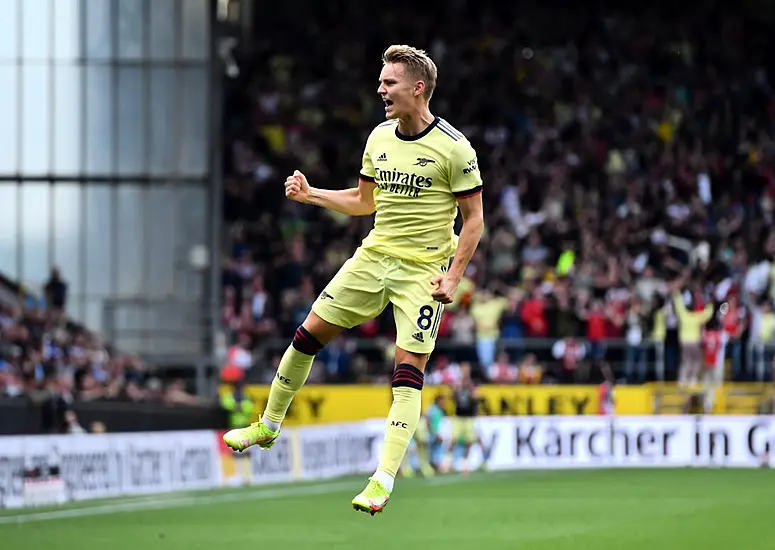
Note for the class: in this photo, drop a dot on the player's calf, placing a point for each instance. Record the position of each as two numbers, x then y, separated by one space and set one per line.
291 375
400 427
401 422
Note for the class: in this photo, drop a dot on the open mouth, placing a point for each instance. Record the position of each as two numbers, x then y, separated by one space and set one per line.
388 102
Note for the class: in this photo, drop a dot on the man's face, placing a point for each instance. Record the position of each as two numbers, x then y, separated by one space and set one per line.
398 90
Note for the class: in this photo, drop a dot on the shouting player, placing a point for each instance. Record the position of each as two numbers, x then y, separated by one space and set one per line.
417 171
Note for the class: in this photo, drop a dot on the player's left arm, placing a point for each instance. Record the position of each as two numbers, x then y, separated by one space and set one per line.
470 234
465 181
446 285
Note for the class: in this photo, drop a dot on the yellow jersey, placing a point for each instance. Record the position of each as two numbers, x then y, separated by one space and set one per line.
487 315
690 323
419 179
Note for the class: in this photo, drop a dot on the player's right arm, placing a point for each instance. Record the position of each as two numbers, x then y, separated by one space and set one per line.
354 202
358 201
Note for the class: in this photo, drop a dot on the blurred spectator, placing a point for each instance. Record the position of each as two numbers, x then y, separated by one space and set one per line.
714 342
503 371
56 291
606 392
735 323
445 373
637 352
240 408
176 394
238 360
57 398
533 315
763 328
334 361
691 319
464 330
597 329
486 311
529 371
570 352
72 426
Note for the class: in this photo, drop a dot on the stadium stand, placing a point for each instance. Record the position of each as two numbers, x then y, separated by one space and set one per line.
618 152
52 361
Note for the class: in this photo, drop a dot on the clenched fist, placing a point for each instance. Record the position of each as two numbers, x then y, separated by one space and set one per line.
444 289
296 187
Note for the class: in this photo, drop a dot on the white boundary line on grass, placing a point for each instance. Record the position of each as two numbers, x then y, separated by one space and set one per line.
178 500
162 502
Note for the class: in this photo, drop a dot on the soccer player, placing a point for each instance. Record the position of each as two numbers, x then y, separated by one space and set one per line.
434 414
464 433
427 439
417 171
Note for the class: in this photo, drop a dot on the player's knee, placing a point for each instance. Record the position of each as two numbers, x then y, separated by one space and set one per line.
415 359
304 342
320 329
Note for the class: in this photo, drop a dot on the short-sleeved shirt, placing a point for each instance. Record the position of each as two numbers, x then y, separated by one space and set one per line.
419 179
487 315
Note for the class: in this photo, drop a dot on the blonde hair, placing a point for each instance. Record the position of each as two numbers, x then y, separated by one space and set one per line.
417 62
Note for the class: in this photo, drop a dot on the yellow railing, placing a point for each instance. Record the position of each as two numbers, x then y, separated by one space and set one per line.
331 404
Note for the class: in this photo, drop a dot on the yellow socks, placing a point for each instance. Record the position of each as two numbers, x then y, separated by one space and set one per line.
401 422
291 376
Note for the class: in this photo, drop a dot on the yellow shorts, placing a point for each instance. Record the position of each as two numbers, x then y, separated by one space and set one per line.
464 430
368 281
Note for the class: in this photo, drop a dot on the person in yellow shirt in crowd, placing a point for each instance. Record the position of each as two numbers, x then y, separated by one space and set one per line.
690 324
764 337
658 336
529 371
487 309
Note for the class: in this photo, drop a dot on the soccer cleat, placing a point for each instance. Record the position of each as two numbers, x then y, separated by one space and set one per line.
255 434
372 499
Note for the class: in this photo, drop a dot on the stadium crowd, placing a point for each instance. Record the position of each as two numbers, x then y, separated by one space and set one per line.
48 358
619 152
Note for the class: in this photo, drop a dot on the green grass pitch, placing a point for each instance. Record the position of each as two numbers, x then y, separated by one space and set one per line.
558 510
